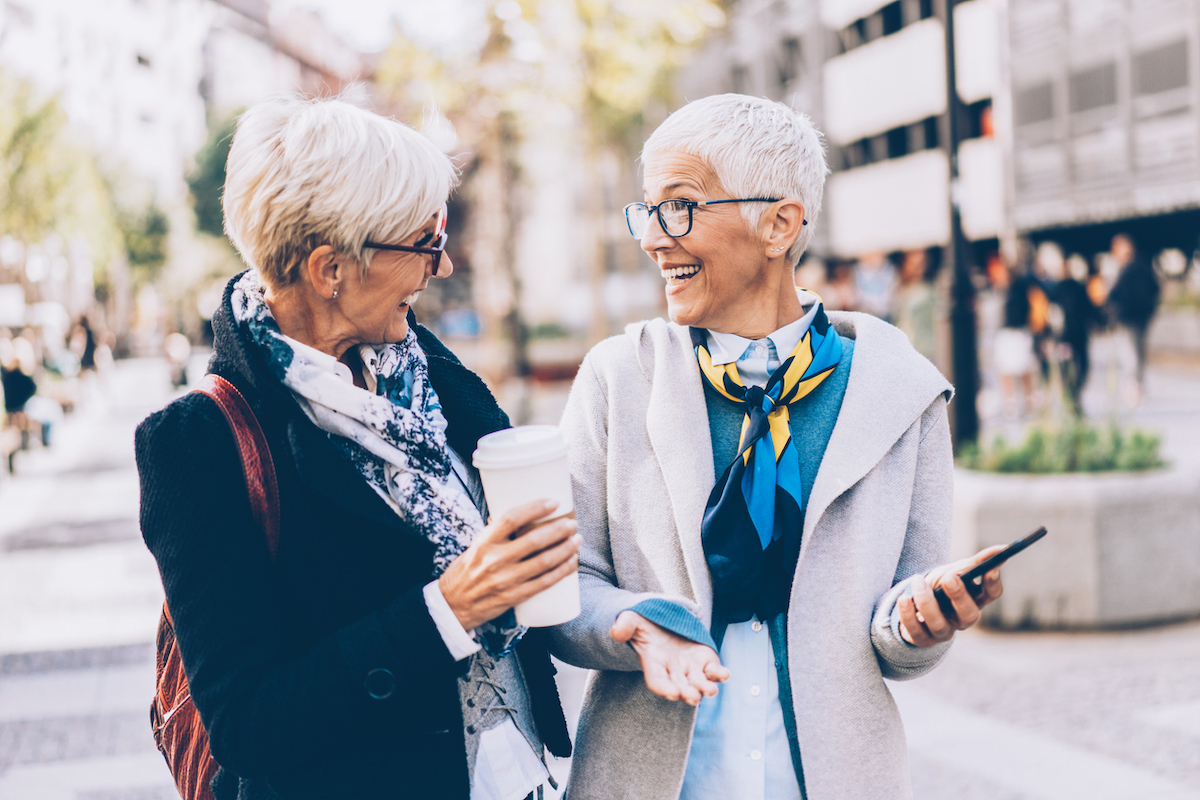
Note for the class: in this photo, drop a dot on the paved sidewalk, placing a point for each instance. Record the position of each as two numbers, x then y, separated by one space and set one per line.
1008 716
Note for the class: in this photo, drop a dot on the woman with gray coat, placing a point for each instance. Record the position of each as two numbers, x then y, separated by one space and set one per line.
763 489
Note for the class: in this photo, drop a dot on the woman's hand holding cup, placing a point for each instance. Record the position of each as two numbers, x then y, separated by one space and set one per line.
511 560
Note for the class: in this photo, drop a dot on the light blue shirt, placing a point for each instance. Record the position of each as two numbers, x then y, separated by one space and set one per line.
739 745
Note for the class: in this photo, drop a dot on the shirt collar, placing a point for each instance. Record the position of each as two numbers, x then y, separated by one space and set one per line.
727 348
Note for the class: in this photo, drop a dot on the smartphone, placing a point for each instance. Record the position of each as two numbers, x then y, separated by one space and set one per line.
973 578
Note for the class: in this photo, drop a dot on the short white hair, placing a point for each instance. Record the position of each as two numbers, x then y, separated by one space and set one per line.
306 172
756 148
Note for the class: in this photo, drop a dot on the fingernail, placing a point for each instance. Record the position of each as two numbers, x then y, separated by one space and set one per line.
577 538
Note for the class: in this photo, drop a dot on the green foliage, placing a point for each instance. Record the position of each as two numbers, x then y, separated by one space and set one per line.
1075 447
49 183
145 235
208 178
629 56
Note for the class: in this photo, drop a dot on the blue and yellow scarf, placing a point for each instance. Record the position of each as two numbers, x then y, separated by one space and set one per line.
751 526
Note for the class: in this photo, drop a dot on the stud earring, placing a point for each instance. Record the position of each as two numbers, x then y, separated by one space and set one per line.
335 294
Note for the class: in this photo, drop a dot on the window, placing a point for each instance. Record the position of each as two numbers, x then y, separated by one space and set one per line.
1094 88
1034 103
791 60
893 18
1161 69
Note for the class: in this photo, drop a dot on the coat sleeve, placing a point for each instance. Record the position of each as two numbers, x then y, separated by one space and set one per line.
926 545
267 702
585 641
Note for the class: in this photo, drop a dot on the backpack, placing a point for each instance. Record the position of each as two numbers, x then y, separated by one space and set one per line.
178 731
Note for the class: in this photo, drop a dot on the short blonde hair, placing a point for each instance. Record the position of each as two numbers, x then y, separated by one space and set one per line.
756 148
309 172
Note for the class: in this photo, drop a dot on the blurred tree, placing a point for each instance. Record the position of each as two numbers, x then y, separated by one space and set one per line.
609 60
208 177
49 183
145 235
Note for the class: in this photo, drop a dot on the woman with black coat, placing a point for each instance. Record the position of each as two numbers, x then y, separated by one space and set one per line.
376 656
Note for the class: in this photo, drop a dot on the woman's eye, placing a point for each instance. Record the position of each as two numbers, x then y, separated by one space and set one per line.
425 239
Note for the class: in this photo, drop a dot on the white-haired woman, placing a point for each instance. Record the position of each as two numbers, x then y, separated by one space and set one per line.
376 656
756 479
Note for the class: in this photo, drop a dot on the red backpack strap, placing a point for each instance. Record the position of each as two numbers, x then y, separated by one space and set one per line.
257 465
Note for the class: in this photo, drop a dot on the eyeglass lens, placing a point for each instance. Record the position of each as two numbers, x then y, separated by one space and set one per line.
674 215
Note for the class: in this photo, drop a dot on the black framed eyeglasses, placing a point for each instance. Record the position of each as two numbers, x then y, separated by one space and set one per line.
434 250
675 216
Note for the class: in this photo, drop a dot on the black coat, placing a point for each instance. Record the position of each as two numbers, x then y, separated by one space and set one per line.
277 654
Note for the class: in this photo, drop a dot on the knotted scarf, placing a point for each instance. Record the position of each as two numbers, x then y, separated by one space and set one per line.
751 526
396 438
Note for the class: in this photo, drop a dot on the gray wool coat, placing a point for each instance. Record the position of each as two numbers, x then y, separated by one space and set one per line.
879 512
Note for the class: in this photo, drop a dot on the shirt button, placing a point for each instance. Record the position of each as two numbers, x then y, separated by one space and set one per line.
755 755
755 691
756 626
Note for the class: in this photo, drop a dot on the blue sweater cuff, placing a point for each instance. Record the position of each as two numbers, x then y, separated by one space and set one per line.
675 618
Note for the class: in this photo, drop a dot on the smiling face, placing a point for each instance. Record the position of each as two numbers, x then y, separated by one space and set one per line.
375 305
718 276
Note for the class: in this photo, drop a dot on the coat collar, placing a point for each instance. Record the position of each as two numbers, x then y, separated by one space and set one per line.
676 411
469 407
890 386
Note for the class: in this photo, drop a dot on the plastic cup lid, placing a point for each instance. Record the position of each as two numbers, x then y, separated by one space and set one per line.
520 447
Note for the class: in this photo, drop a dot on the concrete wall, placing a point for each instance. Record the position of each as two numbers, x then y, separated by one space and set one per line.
1122 549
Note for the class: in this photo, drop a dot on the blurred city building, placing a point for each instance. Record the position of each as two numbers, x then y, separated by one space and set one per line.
140 82
1080 119
872 75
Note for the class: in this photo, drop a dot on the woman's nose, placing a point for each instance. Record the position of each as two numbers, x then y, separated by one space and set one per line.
445 266
655 238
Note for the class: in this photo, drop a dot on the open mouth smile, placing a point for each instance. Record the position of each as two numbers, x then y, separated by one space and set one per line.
679 275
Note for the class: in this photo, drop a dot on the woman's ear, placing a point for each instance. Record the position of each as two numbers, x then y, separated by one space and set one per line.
783 225
324 271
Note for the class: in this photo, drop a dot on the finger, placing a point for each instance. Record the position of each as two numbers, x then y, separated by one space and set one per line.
930 613
909 623
687 692
515 518
528 588
565 552
536 538
992 588
625 626
715 671
697 678
965 611
657 680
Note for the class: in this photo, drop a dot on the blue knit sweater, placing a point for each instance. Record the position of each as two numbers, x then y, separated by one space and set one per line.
811 419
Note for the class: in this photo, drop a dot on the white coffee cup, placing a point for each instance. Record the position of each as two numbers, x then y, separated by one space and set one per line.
518 465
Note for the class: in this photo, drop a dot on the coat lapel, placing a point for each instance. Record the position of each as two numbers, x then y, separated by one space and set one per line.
677 426
885 394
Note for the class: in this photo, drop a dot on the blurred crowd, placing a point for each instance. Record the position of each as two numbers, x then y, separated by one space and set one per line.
45 372
1041 314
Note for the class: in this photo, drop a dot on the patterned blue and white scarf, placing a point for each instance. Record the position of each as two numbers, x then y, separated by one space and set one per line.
396 438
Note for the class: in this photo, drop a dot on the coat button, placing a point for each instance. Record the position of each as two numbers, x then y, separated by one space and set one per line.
380 683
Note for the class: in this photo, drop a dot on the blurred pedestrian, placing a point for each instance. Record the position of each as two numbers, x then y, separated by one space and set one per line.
916 304
1079 316
841 293
704 448
377 656
84 344
18 366
875 284
1014 356
1134 300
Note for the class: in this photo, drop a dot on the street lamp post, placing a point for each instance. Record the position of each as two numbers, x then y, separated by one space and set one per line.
963 345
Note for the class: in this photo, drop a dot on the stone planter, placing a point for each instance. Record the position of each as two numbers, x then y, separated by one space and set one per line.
1123 548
